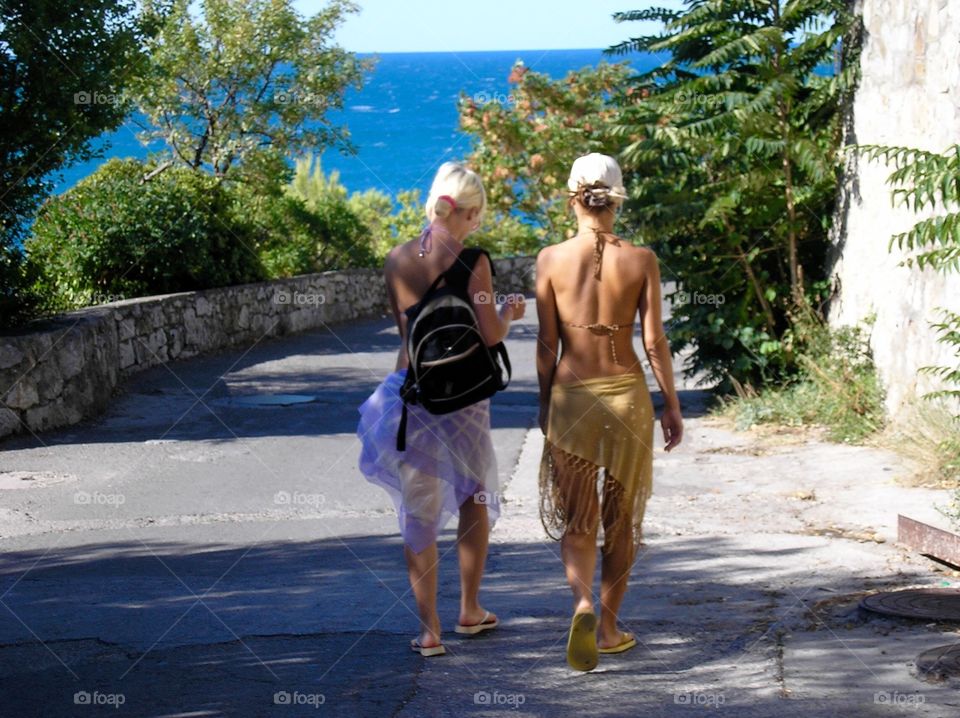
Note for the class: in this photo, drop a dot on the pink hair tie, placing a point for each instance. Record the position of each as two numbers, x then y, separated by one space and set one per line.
448 198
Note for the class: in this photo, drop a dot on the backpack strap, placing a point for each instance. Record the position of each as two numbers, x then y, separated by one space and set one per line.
462 268
402 429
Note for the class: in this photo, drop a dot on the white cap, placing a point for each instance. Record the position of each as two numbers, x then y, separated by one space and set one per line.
596 168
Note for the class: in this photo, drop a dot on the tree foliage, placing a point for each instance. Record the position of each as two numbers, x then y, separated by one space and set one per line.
525 142
244 84
63 67
732 153
114 235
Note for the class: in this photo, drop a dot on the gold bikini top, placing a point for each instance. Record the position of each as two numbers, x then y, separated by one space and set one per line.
608 329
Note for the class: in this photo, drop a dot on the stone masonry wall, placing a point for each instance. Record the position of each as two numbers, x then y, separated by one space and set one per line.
909 95
65 369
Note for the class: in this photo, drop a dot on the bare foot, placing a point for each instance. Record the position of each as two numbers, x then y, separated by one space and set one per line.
614 639
429 639
476 616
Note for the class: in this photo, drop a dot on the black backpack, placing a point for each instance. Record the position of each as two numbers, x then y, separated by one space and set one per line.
450 366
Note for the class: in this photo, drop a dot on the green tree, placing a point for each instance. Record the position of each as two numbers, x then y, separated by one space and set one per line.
525 142
732 150
63 65
245 84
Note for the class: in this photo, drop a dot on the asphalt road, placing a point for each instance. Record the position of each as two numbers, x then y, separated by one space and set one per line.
191 554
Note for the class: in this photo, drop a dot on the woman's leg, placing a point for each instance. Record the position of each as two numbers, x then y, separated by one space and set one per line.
422 568
421 500
576 485
473 537
618 554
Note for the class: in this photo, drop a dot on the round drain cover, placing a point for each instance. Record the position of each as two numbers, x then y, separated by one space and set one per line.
938 604
270 400
940 662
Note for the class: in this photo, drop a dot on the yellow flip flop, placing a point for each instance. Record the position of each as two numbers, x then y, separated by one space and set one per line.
582 642
628 642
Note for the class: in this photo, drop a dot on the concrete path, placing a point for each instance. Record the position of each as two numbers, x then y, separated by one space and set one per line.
190 555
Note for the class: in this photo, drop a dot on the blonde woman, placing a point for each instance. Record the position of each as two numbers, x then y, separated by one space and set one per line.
448 465
595 409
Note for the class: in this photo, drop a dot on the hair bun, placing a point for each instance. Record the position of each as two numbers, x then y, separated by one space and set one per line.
594 196
444 206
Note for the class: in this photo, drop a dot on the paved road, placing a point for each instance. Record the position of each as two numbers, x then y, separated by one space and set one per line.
189 554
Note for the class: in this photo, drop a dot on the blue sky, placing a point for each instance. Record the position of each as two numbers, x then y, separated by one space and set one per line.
434 25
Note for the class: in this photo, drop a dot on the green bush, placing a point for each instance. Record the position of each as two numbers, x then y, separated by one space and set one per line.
391 223
114 235
295 237
837 387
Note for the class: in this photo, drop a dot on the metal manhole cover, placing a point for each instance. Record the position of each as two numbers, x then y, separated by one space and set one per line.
256 400
940 662
939 604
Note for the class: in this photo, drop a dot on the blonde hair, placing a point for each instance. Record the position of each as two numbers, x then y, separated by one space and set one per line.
456 182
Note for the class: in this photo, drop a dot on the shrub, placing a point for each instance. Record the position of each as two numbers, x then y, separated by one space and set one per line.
297 237
114 234
837 387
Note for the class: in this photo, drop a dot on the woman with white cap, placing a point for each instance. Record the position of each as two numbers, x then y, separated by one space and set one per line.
595 408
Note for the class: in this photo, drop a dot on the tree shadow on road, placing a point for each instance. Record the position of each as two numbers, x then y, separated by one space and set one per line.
181 629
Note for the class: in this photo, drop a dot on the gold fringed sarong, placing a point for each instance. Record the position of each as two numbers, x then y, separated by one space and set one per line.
605 422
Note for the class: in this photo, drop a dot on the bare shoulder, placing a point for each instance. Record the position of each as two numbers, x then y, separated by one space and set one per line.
546 255
396 258
644 253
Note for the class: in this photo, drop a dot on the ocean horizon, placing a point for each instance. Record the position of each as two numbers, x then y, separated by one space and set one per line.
403 122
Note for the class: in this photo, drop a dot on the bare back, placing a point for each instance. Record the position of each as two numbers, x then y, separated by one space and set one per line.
570 292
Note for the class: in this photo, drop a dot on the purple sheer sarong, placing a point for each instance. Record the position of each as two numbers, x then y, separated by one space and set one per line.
449 459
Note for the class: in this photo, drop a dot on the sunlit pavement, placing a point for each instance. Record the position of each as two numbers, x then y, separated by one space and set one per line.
194 553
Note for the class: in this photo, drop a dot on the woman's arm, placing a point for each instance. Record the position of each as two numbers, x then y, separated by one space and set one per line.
548 336
657 348
493 323
398 316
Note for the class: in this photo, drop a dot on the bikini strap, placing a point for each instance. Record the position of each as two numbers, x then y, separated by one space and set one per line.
598 246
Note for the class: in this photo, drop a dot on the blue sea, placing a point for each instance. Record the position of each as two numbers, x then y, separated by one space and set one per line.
404 121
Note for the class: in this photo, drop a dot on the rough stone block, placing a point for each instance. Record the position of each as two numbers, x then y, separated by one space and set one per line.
10 356
9 421
23 394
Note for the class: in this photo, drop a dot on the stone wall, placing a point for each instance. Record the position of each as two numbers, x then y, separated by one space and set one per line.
66 368
909 95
